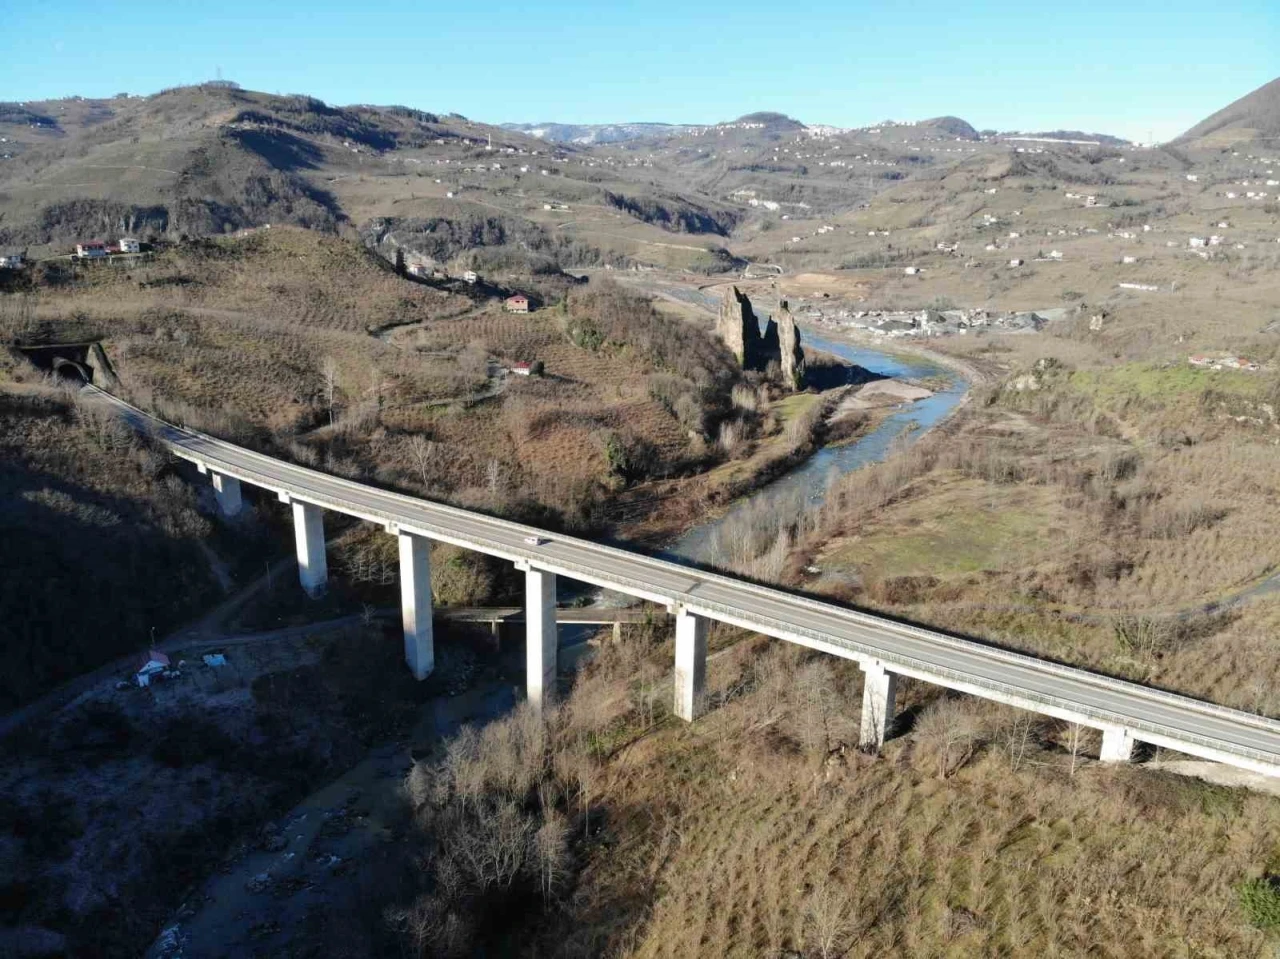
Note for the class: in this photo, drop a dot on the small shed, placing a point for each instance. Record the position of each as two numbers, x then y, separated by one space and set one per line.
517 304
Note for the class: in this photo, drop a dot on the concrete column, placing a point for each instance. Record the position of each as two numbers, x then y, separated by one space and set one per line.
540 636
308 534
1117 746
227 489
878 689
691 664
415 603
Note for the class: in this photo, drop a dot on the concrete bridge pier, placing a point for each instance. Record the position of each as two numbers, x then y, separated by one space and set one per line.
308 535
227 489
691 664
540 636
415 603
879 687
1117 745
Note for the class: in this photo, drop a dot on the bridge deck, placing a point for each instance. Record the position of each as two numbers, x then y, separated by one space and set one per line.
1153 716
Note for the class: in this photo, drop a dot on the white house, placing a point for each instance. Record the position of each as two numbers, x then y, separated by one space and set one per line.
11 261
1016 261
148 664
1197 241
470 276
128 244
1128 259
911 270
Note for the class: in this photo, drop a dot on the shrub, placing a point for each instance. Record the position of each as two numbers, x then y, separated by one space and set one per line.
1260 901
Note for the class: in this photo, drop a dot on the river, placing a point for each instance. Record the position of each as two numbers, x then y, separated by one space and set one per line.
812 478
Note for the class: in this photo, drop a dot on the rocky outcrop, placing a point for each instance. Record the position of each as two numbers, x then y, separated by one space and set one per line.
739 329
790 354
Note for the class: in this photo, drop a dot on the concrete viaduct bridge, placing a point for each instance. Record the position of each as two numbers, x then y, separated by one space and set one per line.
1125 712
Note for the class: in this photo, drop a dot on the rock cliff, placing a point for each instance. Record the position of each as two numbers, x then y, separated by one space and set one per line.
790 354
739 329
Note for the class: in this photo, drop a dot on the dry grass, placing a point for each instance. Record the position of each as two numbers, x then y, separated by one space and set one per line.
267 339
1047 519
762 831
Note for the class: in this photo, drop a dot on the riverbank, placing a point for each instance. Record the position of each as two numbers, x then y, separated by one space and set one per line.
803 486
671 508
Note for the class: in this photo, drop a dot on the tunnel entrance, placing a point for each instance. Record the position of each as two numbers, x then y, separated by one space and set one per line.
69 371
69 363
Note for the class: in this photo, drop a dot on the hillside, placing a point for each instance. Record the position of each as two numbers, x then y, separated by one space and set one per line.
1253 116
196 161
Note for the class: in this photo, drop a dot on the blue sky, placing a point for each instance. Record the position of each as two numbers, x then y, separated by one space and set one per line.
1118 66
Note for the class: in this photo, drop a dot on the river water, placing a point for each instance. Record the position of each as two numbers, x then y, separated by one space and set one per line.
812 478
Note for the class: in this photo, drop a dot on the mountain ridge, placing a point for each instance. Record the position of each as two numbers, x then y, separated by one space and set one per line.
1252 116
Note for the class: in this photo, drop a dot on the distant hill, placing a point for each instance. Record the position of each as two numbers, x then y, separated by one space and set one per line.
586 134
951 126
1254 115
772 121
1070 136
589 134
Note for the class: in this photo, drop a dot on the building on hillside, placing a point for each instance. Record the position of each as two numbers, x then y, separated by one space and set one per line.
1016 261
148 665
10 261
522 369
911 270
128 244
470 277
91 250
516 304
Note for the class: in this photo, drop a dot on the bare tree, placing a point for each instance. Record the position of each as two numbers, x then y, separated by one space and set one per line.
551 843
329 372
949 729
1075 741
829 920
422 451
1017 735
493 476
495 854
